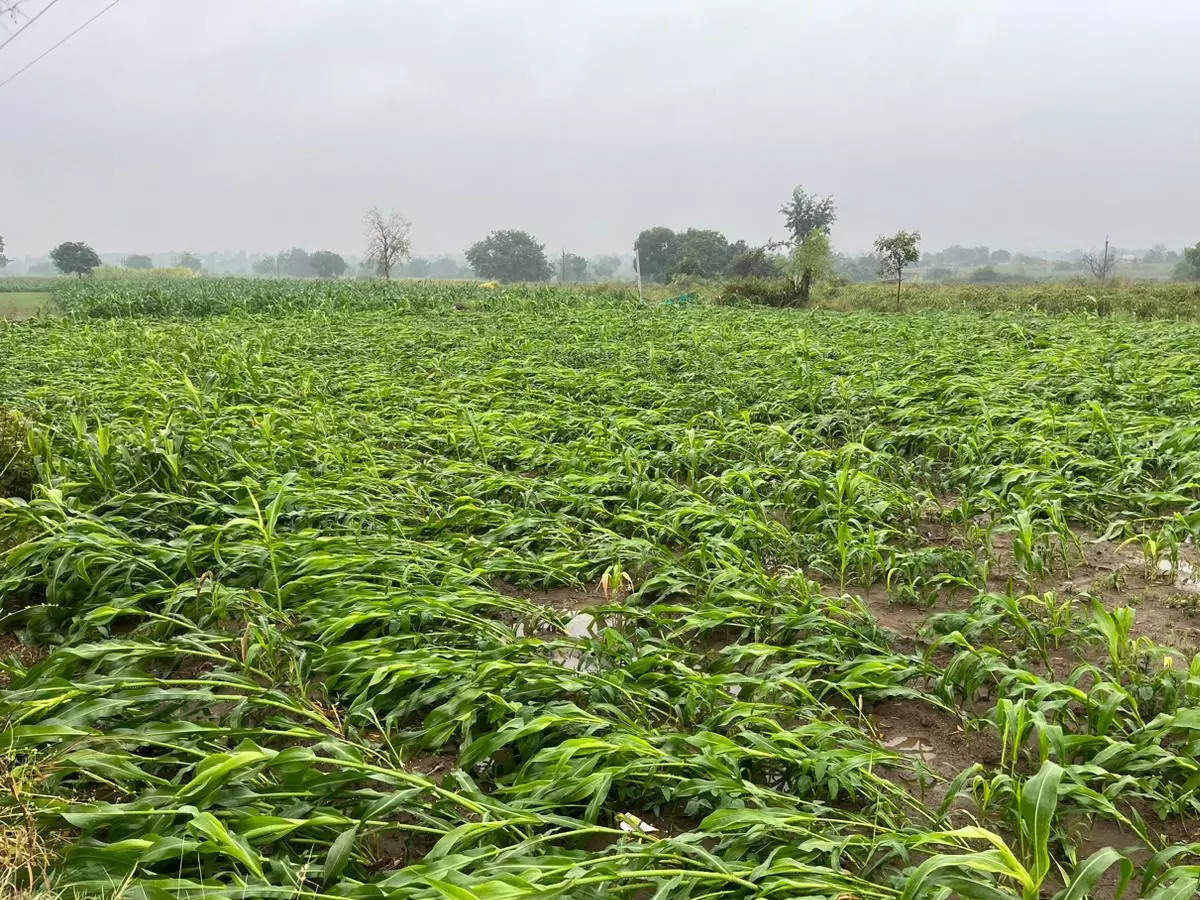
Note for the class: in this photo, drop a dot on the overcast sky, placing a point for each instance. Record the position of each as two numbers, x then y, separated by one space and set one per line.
265 124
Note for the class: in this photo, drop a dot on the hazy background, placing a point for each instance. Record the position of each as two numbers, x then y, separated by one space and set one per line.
263 124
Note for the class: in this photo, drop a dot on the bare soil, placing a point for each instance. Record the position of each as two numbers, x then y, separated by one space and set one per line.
24 654
566 599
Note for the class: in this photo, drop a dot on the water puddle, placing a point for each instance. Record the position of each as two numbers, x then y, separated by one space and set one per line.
1186 577
580 625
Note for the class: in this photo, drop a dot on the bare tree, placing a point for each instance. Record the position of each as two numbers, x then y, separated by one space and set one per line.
388 244
1102 266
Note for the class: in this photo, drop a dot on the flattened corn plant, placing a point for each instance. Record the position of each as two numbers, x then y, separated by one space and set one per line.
390 591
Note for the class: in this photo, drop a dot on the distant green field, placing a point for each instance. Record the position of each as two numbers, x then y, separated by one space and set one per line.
35 283
24 304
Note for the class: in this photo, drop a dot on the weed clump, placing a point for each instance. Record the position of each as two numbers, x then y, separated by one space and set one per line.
762 291
17 472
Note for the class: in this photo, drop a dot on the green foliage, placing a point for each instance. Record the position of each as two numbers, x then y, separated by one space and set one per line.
811 262
509 256
985 275
701 253
406 590
962 257
1188 268
896 252
572 267
862 268
195 297
327 264
32 284
189 260
138 261
696 253
763 291
1141 300
267 266
3 258
755 263
74 258
804 213
17 471
295 263
606 266
121 273
657 252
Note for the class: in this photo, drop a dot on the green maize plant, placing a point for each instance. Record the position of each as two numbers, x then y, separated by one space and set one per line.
380 590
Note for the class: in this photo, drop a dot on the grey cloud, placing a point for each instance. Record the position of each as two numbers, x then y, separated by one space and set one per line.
267 124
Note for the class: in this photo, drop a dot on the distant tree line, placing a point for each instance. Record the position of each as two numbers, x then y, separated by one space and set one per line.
805 257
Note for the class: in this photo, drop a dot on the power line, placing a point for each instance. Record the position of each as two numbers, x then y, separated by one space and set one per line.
16 33
59 44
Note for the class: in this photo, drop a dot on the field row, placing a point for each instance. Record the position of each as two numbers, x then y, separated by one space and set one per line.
195 297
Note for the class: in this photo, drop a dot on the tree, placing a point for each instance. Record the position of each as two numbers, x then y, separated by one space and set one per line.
509 255
754 263
1101 265
1001 256
1156 254
657 252
806 216
74 257
268 265
859 268
811 261
804 212
295 263
985 275
606 266
964 256
3 258
388 243
138 261
572 267
1188 268
189 260
327 264
701 252
446 267
895 253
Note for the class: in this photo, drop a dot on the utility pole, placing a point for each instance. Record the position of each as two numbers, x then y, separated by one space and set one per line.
637 266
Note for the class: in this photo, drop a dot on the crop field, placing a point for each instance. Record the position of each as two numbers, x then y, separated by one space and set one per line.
414 591
24 304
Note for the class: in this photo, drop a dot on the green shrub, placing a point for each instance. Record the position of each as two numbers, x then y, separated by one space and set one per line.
763 291
17 472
